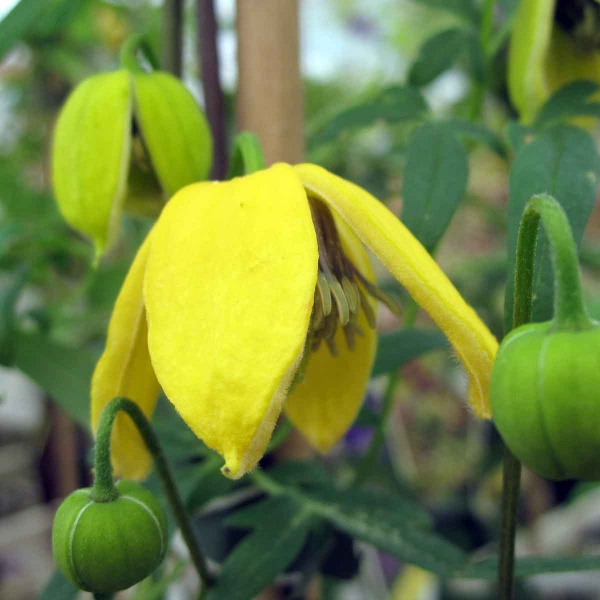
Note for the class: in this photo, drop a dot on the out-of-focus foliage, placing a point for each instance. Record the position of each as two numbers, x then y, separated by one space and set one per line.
435 138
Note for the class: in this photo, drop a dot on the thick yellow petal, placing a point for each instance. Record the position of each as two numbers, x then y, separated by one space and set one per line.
413 267
125 370
229 290
174 130
325 403
90 155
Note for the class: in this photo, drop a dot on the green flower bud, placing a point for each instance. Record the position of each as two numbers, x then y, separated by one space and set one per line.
554 42
104 547
545 396
127 138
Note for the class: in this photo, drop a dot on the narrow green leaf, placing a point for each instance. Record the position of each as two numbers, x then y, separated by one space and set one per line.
64 373
563 162
8 318
435 181
395 104
437 55
533 565
247 156
478 133
394 524
280 526
572 100
397 348
58 588
294 472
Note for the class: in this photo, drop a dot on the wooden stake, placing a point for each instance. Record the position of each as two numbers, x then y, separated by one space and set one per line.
269 96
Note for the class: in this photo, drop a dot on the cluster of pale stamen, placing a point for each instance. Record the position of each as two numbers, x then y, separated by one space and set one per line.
341 291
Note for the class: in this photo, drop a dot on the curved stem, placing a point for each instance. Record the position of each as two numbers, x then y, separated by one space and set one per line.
128 57
103 482
569 310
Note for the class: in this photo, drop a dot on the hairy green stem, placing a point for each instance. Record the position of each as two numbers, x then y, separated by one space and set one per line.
569 309
172 34
104 489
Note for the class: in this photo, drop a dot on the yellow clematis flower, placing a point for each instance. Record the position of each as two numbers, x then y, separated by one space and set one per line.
254 296
554 42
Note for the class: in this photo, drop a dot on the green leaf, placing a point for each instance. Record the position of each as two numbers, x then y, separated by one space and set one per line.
572 100
281 526
395 104
467 9
534 565
64 373
294 472
18 22
42 17
247 156
437 55
435 181
397 348
392 523
58 588
477 133
562 162
517 135
9 296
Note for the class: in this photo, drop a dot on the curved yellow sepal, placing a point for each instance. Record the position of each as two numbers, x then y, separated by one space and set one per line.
413 267
125 370
90 156
325 403
174 130
229 290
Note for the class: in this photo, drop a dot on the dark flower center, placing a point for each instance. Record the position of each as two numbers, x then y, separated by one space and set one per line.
342 290
580 19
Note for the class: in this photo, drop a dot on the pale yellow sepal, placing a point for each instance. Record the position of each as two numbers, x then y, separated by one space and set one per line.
229 289
543 58
174 129
125 370
324 404
90 156
413 267
527 82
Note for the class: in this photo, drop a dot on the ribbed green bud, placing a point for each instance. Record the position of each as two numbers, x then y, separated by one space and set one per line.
105 547
545 396
128 139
